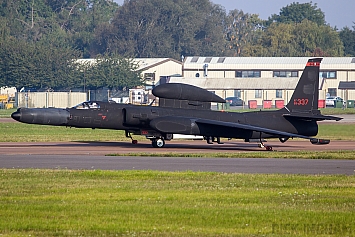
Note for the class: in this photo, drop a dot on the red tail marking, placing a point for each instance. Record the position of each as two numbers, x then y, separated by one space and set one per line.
313 64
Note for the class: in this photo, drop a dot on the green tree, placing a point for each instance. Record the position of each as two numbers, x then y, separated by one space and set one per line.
278 39
79 19
297 12
242 29
69 23
166 28
114 72
297 40
347 36
24 64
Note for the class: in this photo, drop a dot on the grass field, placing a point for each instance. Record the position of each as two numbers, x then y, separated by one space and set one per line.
323 155
150 203
6 113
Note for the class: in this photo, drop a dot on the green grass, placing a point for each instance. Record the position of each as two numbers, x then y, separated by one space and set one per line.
151 203
337 131
6 113
337 111
324 155
19 132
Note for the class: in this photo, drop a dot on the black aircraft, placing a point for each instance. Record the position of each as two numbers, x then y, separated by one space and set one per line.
186 109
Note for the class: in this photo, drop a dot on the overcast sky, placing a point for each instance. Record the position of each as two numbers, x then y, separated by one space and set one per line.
339 13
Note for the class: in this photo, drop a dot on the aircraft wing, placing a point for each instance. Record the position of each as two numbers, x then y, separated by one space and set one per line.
173 124
249 127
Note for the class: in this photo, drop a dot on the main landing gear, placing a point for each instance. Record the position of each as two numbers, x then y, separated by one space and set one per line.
158 142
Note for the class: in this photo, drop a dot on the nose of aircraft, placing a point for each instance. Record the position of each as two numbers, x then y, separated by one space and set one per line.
46 116
16 115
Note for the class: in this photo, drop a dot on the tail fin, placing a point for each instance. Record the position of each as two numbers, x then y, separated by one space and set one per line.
305 96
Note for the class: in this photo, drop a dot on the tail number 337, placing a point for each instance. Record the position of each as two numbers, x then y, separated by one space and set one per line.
300 102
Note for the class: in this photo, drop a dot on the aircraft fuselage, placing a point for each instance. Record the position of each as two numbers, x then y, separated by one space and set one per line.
137 119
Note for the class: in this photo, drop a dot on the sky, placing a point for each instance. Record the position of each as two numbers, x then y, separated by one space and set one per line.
339 13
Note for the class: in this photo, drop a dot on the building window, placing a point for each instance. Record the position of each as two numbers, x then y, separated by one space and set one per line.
332 91
285 74
247 74
328 74
258 93
149 76
278 94
237 93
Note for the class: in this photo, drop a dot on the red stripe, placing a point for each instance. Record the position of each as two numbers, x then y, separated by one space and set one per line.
313 64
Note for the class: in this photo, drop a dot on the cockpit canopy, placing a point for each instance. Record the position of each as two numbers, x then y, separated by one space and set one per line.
87 105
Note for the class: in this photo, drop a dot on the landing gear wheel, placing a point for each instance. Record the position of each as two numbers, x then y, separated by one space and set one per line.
130 136
158 143
268 148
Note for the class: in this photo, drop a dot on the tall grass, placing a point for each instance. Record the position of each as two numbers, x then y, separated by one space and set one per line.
150 203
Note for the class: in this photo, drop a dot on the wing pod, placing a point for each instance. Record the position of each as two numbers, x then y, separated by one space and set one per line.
179 91
182 96
316 141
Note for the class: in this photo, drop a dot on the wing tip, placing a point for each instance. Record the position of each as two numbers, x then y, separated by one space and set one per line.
318 141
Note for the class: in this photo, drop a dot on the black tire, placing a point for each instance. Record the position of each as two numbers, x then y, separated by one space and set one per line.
158 143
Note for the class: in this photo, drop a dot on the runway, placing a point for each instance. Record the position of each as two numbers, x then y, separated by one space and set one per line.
241 165
91 155
174 146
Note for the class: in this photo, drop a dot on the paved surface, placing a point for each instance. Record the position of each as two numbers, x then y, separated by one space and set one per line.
76 155
242 165
175 146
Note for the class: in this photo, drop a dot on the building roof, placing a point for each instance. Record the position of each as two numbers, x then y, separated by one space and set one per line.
266 63
347 85
265 60
144 63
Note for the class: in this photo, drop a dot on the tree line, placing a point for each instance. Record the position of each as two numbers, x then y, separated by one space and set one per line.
41 40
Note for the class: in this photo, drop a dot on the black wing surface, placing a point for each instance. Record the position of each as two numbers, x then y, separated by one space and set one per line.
249 127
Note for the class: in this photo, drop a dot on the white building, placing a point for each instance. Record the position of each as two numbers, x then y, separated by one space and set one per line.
155 71
264 78
10 91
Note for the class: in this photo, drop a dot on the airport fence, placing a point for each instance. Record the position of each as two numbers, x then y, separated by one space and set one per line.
50 99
